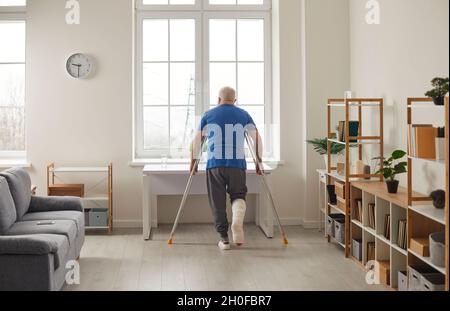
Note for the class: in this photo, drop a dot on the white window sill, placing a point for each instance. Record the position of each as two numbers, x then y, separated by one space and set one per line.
144 162
4 164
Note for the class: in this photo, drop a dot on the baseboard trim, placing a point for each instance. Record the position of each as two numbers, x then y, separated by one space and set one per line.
311 224
127 224
137 224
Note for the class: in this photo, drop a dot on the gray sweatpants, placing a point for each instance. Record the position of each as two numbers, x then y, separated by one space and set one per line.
221 181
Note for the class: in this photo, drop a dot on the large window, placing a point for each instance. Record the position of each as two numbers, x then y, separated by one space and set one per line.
12 87
186 51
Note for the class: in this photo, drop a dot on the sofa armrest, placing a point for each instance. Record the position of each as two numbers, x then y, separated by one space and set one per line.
54 204
27 245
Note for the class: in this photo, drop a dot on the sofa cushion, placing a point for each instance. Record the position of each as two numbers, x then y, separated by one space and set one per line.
67 228
37 244
20 186
76 217
8 213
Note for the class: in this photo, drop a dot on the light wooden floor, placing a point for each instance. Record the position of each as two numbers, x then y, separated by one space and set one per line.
125 262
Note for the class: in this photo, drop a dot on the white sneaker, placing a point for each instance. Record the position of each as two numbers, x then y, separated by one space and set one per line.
224 246
239 208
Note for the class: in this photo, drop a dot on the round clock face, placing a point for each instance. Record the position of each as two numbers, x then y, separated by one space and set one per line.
78 66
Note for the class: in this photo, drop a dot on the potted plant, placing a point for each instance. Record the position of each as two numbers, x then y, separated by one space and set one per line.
392 167
320 145
441 87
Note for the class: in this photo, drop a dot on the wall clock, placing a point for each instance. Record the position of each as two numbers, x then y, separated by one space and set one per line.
79 66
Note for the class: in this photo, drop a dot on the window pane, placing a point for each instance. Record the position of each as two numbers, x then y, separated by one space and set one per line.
251 83
222 40
182 126
258 115
182 40
13 2
182 84
156 40
12 107
251 40
156 84
172 2
221 74
12 36
234 2
222 2
156 128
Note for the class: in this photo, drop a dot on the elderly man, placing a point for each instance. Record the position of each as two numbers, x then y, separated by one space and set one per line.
224 128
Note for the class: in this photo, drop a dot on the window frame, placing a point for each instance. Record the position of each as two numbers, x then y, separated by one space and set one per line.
11 15
204 5
139 151
202 13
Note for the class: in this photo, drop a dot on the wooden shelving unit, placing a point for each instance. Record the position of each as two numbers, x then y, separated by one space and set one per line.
357 104
386 249
423 218
106 197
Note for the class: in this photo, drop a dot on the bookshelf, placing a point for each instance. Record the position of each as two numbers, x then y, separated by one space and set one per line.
351 106
423 218
372 229
102 175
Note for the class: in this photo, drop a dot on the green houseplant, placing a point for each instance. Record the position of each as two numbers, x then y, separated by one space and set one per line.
320 146
392 167
440 89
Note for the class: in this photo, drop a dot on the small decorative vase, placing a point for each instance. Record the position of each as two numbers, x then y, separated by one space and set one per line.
392 186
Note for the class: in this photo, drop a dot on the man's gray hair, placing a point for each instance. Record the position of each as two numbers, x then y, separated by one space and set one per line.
227 93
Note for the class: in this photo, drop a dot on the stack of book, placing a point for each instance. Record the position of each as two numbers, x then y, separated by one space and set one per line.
387 227
357 212
370 212
422 140
370 251
402 234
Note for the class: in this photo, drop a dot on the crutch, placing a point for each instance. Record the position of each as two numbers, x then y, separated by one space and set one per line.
258 163
185 196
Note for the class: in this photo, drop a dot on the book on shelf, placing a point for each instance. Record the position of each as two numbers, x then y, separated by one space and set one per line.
421 141
357 212
353 129
402 234
371 215
387 227
370 251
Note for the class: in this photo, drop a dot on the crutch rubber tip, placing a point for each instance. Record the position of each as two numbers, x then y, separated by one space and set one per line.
170 242
286 242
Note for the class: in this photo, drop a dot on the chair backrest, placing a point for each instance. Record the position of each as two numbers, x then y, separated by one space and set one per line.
19 182
8 214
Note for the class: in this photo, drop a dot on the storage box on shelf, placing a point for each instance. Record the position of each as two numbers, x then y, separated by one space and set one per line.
99 216
348 128
423 218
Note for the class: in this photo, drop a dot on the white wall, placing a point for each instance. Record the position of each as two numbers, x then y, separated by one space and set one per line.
90 120
327 75
70 120
396 60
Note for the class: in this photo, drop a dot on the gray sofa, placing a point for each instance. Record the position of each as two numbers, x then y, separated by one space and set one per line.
34 253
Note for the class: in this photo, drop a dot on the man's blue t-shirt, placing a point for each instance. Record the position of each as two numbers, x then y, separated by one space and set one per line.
223 126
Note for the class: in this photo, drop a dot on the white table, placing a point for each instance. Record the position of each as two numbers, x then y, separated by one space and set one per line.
159 180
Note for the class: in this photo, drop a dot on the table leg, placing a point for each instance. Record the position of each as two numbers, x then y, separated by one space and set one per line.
146 209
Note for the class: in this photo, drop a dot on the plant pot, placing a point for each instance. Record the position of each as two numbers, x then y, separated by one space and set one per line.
392 186
439 101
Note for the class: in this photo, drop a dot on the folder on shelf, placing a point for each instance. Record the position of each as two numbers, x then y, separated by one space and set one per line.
421 141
